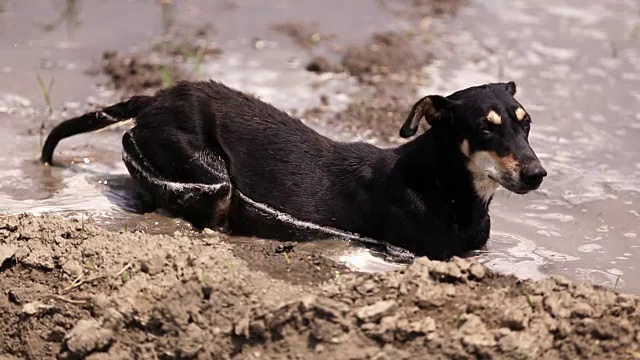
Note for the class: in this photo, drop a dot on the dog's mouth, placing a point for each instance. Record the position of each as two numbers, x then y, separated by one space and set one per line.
515 185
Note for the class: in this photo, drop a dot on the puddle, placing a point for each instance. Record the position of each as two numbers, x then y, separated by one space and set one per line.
577 66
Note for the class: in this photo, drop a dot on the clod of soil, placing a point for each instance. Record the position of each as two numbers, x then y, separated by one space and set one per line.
320 65
377 114
164 64
420 9
301 34
189 41
71 290
387 53
136 74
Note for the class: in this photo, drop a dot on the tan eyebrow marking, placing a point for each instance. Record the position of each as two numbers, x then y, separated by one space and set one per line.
520 114
494 118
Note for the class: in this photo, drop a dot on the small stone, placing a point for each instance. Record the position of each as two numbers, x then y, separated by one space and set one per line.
608 328
581 310
35 307
553 303
423 326
627 302
385 331
152 266
112 318
87 336
319 65
422 261
335 340
473 332
463 264
514 319
285 248
330 308
583 290
6 252
546 286
376 311
445 271
520 342
190 342
477 271
564 329
434 296
449 290
561 280
72 268
242 327
391 353
501 332
368 287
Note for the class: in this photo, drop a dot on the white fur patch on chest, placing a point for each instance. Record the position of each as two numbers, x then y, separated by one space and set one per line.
482 165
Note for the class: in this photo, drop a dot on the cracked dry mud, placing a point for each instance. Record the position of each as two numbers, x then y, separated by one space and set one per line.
72 291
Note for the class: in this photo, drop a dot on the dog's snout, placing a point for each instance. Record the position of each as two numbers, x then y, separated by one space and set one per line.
533 174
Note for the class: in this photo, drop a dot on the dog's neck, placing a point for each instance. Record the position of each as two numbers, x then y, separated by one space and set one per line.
434 166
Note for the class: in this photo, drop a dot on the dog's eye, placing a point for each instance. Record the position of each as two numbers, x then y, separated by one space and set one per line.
486 128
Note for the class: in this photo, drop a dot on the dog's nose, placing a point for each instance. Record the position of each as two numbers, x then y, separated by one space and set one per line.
533 174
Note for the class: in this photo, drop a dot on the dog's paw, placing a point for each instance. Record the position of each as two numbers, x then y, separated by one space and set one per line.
222 228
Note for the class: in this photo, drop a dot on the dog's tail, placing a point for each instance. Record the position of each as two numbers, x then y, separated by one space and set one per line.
94 121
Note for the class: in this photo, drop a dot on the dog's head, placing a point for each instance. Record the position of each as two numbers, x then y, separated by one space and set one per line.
491 130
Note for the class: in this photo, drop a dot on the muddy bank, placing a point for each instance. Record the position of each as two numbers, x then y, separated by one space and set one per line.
71 290
175 56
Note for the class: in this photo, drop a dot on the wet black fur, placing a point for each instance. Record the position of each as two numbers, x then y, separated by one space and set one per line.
418 196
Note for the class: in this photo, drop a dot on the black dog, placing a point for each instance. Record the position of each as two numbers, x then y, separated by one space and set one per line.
218 157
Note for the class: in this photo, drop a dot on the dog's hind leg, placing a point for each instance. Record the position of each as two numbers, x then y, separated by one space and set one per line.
189 181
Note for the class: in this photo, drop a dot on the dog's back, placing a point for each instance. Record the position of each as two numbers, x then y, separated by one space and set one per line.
273 158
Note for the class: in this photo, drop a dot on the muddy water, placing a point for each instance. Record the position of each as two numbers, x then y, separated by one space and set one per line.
578 68
577 65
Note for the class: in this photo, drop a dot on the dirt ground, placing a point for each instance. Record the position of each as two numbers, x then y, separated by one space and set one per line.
71 290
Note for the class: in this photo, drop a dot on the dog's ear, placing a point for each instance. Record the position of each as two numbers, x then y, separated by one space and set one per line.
431 108
510 87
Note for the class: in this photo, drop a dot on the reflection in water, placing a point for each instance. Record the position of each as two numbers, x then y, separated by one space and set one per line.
69 15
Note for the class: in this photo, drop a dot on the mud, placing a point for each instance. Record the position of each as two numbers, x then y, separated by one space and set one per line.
71 290
135 74
423 9
303 35
378 113
174 57
282 261
387 53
